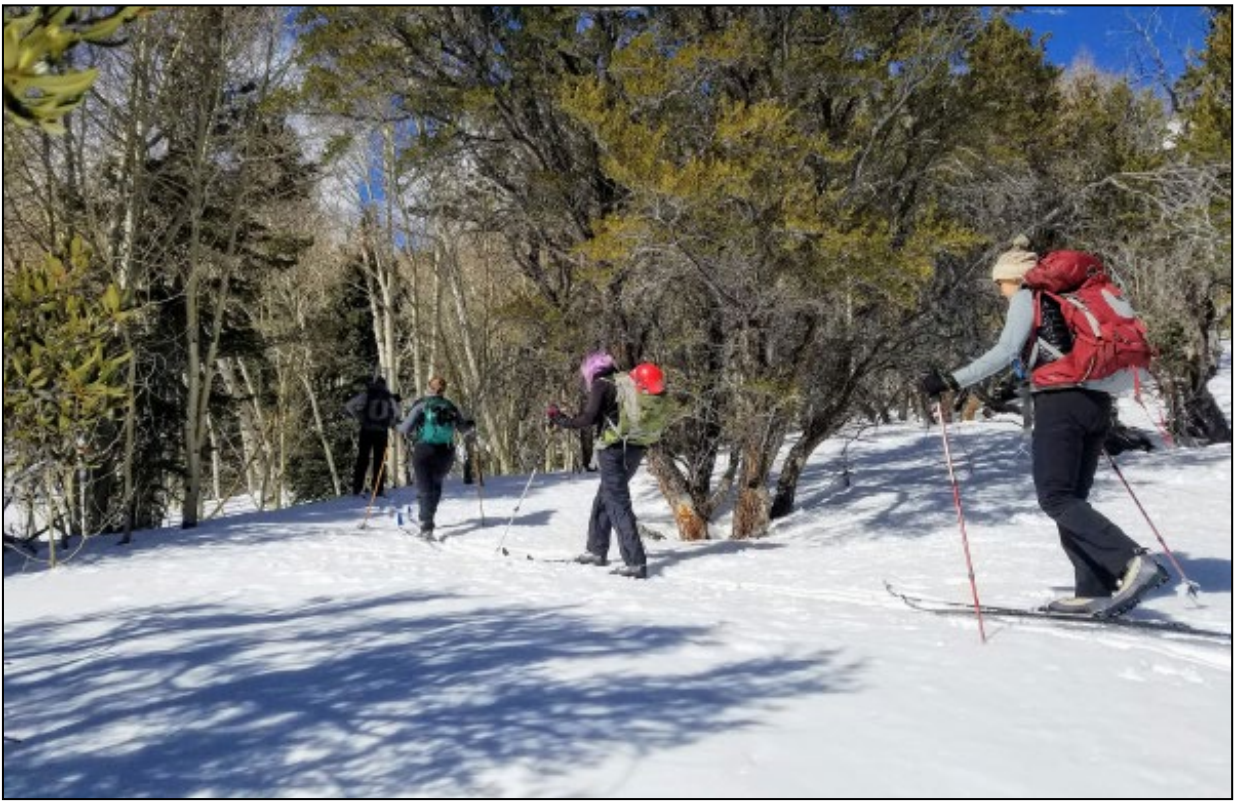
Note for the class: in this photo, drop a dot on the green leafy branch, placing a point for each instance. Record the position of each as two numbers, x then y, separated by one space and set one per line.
38 90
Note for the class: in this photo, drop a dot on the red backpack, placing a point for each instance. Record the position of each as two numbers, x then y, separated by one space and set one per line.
1107 334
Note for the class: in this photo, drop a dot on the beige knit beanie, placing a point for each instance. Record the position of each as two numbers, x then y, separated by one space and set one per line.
1013 264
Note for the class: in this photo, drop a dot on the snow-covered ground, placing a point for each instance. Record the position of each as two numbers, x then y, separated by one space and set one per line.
296 654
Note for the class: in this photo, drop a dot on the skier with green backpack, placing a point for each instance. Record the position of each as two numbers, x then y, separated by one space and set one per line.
629 411
431 424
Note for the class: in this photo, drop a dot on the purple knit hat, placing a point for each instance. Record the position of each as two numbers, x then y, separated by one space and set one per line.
593 365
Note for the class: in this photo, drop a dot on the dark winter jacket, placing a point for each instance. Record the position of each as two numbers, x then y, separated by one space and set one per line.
600 410
377 409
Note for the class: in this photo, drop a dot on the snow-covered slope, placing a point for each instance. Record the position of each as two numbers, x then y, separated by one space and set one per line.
297 654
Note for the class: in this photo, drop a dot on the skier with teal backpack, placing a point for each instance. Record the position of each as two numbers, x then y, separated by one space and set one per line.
431 424
629 411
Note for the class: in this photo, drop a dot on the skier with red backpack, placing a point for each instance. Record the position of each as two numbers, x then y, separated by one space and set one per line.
629 410
1080 343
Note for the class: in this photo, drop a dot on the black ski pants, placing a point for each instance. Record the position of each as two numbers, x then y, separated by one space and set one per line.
612 507
1069 429
431 462
372 450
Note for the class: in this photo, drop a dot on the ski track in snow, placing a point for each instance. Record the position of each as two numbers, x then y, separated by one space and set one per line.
1166 644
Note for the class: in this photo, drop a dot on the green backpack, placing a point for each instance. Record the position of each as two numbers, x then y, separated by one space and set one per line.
642 417
438 427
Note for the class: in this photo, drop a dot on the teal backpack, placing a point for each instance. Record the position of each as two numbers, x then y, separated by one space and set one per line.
642 416
438 427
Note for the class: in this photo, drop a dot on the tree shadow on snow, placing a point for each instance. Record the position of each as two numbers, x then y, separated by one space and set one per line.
296 524
538 519
905 491
393 696
681 552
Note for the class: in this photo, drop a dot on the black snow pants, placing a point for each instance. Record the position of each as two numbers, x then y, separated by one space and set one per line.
431 462
372 450
612 507
1069 430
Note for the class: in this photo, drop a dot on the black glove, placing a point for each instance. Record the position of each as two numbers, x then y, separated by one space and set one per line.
554 414
934 383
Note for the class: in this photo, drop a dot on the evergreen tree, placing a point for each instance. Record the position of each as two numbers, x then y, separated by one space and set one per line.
63 384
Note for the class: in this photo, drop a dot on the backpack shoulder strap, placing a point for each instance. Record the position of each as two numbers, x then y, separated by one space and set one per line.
611 385
1041 342
1074 300
629 411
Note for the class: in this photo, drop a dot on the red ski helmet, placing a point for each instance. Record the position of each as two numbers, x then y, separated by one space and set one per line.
648 377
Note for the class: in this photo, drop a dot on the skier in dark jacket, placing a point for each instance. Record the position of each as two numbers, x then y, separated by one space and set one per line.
377 409
617 461
432 423
1111 571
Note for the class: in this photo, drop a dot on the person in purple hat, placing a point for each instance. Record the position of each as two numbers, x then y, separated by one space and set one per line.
611 510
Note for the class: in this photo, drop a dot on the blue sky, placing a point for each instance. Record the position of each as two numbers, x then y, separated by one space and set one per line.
1111 37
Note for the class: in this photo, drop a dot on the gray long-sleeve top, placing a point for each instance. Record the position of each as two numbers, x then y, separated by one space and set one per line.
1018 328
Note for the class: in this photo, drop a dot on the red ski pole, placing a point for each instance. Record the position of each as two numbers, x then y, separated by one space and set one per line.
1189 583
961 520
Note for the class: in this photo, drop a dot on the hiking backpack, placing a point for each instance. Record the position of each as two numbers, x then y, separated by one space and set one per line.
642 416
1107 336
438 426
379 412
